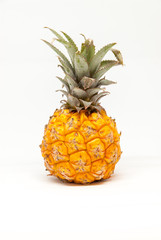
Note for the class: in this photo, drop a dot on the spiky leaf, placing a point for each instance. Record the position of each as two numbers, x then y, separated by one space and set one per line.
102 70
79 93
104 63
92 91
87 82
64 105
82 81
70 40
104 82
79 109
63 101
62 68
118 55
71 82
96 60
85 104
55 33
88 50
59 53
63 92
66 68
70 48
81 66
97 107
103 95
95 98
73 101
64 82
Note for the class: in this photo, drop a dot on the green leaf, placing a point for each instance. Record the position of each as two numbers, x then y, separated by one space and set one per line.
88 50
64 82
86 104
71 82
79 109
92 91
98 107
118 55
104 63
59 53
83 36
102 70
66 68
62 68
70 40
87 82
81 66
65 105
64 92
103 82
63 101
70 48
73 101
79 93
95 98
103 95
96 60
55 33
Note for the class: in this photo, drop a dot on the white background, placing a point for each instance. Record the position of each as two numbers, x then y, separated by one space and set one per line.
35 206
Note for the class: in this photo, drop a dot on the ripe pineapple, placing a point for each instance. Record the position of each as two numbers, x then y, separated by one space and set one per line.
81 143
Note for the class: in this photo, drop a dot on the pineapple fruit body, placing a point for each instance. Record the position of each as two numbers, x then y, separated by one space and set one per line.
81 143
81 147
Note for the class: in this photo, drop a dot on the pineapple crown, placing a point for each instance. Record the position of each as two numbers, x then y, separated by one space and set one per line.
84 72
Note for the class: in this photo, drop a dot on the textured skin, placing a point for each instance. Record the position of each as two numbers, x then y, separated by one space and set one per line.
81 148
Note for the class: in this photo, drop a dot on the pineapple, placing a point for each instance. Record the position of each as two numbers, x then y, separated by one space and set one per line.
81 143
